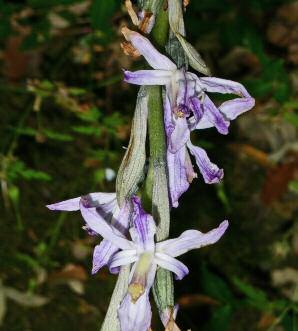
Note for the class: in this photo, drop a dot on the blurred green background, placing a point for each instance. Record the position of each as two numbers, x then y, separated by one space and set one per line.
65 116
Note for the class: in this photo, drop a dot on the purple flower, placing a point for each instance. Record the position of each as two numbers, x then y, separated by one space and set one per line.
187 107
105 209
141 251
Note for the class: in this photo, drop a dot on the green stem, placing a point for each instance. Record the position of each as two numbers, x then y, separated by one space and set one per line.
156 193
156 131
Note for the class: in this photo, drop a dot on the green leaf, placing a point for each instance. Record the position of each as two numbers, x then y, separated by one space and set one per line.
215 286
101 13
222 196
291 118
35 175
92 115
38 4
255 297
26 131
57 136
99 175
87 130
220 319
113 122
17 169
293 186
76 91
14 194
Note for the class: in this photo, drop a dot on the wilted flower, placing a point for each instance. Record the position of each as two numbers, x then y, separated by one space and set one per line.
141 251
187 107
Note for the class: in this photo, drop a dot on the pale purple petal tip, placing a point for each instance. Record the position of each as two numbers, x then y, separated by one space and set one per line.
168 262
147 77
67 205
210 171
191 239
233 108
135 316
102 255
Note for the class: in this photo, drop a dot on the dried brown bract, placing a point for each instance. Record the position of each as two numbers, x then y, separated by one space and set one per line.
129 50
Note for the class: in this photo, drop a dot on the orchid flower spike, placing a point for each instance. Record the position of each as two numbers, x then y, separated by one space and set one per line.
187 107
140 251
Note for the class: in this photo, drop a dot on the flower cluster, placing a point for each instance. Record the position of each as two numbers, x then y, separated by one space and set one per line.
128 232
187 107
128 239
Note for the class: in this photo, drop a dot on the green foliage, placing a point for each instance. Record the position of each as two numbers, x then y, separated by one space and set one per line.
220 319
17 169
92 115
101 13
291 118
254 297
215 286
293 186
50 134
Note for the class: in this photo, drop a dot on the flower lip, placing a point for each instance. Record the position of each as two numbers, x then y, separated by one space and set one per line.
182 111
139 278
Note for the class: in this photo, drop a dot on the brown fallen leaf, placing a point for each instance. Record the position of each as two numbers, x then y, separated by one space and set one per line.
69 272
191 300
277 181
266 321
256 154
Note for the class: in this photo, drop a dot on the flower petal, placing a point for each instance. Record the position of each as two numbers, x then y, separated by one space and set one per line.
144 46
66 205
219 85
191 239
203 123
210 171
123 258
197 108
231 108
143 231
147 77
215 116
180 172
121 218
168 118
102 254
135 316
170 263
97 223
99 199
180 135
